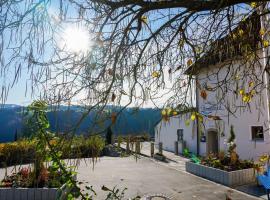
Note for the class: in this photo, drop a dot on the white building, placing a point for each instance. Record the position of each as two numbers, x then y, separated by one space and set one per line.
176 129
236 103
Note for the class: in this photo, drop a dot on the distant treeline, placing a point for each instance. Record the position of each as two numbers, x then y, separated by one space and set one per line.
131 121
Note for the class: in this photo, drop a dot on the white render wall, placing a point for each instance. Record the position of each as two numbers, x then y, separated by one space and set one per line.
166 132
256 114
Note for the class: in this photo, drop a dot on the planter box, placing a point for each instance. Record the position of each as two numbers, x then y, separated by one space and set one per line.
234 178
34 193
28 193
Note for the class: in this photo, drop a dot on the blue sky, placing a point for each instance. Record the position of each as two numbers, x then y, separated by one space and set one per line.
18 94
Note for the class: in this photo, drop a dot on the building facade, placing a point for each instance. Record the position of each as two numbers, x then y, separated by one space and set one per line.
232 91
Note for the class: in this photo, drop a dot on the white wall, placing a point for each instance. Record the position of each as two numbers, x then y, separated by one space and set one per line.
166 132
244 115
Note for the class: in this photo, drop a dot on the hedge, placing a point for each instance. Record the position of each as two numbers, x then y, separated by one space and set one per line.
23 151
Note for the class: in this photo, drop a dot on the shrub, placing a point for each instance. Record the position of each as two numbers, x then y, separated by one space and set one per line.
23 151
223 162
186 153
20 152
25 178
140 137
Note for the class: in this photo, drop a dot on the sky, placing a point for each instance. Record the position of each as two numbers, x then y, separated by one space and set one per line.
20 93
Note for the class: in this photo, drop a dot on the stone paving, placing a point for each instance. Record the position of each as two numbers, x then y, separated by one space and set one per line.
174 161
177 162
146 176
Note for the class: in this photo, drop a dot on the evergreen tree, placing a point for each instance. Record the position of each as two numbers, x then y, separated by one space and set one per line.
109 134
16 135
231 139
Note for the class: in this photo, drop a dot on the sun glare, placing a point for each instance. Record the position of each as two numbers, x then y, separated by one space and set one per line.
76 40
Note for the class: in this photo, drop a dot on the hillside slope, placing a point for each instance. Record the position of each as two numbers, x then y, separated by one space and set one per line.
130 121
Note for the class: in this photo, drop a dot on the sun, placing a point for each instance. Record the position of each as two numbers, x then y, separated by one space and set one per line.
76 40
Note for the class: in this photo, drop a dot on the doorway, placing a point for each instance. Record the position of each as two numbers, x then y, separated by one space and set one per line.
212 142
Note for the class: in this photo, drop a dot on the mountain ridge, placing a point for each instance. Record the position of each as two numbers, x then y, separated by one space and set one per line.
131 121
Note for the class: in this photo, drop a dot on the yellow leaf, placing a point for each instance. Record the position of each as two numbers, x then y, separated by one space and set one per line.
144 19
251 84
265 43
156 74
252 92
163 112
262 32
200 118
175 113
264 158
240 32
169 110
246 98
241 91
189 62
193 116
237 77
253 4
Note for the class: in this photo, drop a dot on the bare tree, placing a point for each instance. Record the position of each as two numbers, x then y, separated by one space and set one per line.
139 50
135 51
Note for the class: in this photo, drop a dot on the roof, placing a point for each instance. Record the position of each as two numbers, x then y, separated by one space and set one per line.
244 37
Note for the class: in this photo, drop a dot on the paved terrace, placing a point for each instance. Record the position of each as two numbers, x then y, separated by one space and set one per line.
148 176
173 161
178 163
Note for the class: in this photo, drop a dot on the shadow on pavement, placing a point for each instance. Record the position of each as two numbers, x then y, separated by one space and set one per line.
253 189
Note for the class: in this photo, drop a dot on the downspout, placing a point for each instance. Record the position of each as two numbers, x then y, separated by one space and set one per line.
197 120
264 53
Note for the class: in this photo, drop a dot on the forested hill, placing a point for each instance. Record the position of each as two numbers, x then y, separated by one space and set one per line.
130 121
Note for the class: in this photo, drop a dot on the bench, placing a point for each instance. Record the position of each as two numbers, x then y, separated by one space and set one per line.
264 180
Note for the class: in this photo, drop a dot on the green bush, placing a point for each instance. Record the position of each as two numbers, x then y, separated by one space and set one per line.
20 152
133 138
23 151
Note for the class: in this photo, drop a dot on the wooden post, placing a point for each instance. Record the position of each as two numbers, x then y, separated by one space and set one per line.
131 146
160 148
137 147
128 149
118 142
176 147
152 149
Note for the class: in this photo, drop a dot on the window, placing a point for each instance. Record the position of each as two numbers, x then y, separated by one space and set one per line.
180 134
257 133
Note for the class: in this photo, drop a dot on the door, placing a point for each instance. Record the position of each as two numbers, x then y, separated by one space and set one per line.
212 142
